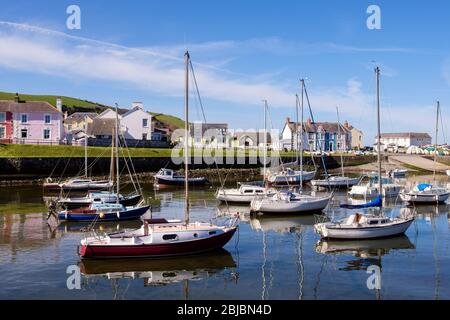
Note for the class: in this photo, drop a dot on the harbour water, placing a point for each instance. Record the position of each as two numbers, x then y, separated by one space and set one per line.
271 257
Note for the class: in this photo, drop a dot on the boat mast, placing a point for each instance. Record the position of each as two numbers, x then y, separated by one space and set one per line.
265 139
301 136
117 153
297 161
436 140
380 184
186 138
85 148
339 135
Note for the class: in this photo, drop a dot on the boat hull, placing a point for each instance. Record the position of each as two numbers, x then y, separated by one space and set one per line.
291 179
424 198
131 214
157 250
362 233
180 182
338 183
127 202
272 206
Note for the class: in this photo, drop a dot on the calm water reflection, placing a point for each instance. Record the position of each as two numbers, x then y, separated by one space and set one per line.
277 257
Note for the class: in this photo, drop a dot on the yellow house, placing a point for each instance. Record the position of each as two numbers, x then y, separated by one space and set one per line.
79 121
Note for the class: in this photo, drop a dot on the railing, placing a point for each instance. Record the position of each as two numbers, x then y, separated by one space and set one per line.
35 141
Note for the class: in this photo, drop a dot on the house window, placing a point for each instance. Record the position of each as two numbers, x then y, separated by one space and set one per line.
24 118
2 132
2 116
47 118
145 123
24 133
144 136
46 134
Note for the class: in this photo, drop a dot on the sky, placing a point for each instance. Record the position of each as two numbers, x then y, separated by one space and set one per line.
243 52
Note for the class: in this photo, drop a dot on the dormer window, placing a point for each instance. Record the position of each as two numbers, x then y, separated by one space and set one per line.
24 118
47 118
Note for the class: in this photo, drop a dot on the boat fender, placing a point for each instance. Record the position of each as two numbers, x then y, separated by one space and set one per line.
118 215
102 215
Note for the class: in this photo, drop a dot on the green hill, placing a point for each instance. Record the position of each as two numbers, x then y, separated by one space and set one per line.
72 105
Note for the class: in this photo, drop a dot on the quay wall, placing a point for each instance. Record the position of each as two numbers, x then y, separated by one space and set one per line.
38 168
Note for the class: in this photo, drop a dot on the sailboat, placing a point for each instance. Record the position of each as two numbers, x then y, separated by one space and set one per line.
288 202
289 176
424 192
162 237
102 210
337 181
246 192
79 183
368 226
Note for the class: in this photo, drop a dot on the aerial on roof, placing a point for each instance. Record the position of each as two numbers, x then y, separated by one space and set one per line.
26 106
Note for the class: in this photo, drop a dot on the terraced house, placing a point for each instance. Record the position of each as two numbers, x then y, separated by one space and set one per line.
30 122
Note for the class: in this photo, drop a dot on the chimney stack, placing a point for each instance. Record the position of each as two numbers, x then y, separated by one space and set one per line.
346 125
59 104
16 98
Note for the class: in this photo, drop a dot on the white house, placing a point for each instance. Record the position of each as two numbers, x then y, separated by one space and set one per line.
404 139
137 123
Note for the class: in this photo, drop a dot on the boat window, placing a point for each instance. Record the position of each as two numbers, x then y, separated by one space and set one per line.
170 237
195 235
247 191
258 191
373 221
212 232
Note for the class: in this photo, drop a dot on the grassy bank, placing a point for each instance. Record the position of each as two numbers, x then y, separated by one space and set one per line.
64 151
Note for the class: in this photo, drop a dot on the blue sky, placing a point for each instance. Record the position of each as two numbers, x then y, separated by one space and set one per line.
243 52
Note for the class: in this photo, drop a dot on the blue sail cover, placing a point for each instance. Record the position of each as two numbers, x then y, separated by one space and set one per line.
423 186
377 202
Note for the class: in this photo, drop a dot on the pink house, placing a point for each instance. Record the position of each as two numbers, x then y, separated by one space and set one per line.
33 122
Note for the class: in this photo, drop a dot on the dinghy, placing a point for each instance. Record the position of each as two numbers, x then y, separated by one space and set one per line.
397 173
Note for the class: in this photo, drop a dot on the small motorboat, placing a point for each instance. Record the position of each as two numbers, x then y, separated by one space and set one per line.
289 202
360 226
158 238
100 197
425 193
448 172
335 182
171 178
103 212
244 194
397 173
290 177
368 188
